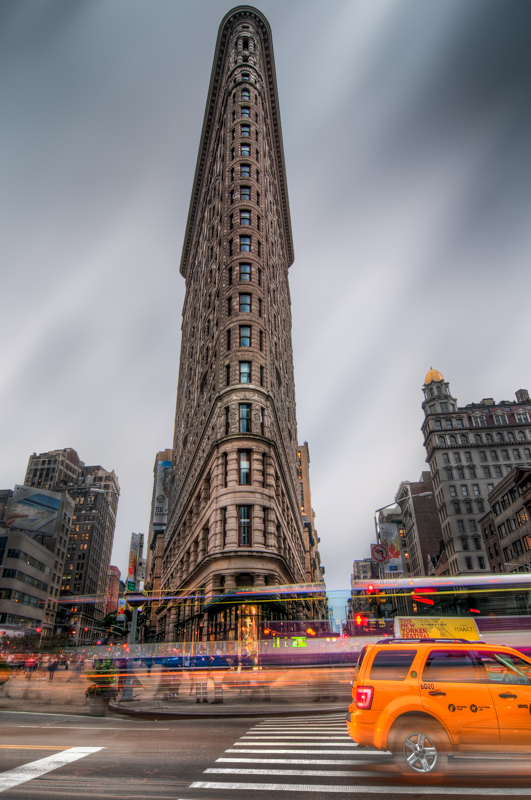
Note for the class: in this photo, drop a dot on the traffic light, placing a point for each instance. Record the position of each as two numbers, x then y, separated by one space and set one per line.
360 619
310 631
38 630
86 630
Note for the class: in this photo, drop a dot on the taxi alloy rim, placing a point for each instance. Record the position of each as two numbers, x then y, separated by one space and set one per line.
420 752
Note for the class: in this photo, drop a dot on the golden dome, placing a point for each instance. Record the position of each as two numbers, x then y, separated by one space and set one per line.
432 375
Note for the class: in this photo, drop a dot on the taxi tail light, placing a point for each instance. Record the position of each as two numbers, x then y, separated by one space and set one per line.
364 695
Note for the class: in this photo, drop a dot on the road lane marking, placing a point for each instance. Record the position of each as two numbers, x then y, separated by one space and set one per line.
35 747
27 772
342 762
383 790
308 752
84 728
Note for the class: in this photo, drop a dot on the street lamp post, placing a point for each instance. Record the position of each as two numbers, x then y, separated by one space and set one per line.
390 505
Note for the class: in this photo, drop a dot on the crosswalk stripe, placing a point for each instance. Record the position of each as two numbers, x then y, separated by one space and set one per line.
353 789
27 772
300 736
329 773
306 752
340 761
350 744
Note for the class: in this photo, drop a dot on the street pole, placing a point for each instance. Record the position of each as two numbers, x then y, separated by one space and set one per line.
127 694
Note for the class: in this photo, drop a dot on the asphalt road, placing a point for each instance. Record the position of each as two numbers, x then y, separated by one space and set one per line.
65 756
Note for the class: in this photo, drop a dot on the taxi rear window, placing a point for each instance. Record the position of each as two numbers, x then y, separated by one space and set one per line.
454 666
392 665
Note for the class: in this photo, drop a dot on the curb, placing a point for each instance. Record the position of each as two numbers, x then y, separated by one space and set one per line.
146 714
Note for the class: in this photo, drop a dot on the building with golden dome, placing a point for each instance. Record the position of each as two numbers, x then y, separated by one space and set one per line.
470 449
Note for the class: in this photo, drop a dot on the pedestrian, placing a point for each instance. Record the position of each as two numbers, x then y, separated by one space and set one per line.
201 669
30 665
52 666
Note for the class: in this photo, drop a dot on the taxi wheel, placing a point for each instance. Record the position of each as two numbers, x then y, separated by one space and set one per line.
420 747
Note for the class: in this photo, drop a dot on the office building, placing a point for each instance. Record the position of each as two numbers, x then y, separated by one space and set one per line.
469 450
506 527
113 591
234 516
155 540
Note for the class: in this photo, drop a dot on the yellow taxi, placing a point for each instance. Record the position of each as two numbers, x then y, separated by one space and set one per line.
424 699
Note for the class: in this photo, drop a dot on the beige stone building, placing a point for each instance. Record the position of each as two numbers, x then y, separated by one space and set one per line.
469 450
234 519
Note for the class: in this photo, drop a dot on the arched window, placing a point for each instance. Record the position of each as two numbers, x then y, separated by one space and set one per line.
488 438
438 389
521 436
449 474
452 440
477 438
499 437
440 440
510 436
463 439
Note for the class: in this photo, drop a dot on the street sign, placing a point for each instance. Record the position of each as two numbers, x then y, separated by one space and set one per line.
379 553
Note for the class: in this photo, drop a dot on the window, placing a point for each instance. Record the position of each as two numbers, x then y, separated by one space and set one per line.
246 130
453 491
468 562
457 507
244 525
516 453
449 474
471 472
392 664
261 375
441 441
245 417
479 504
438 425
445 458
245 170
245 467
246 94
452 440
259 307
232 173
245 244
486 472
261 420
494 455
224 525
259 248
464 491
245 272
261 340
245 336
450 666
227 374
482 455
246 111
500 419
505 669
245 372
459 424
479 422
463 439
245 304
460 526
477 438
464 543
245 193
245 217
510 436
227 420
448 423
488 438
245 150
475 489
497 472
457 458
229 306
231 247
245 76
229 276
228 338
233 153
460 473
499 438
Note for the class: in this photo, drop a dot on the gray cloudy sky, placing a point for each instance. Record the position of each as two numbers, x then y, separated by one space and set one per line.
407 134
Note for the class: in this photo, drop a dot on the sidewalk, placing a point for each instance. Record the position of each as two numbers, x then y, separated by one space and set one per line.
174 695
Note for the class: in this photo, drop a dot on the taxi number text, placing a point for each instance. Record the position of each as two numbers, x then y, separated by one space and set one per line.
427 686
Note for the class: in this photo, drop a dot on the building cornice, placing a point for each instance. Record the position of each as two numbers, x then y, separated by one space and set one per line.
209 124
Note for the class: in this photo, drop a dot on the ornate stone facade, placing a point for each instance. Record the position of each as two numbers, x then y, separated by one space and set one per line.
234 516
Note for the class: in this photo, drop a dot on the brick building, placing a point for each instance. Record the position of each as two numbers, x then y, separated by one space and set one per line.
469 450
113 590
234 516
422 528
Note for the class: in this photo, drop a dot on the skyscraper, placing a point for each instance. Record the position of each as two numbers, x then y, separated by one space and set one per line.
234 513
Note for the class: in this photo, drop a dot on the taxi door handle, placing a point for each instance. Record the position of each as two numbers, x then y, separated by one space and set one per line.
508 694
437 694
